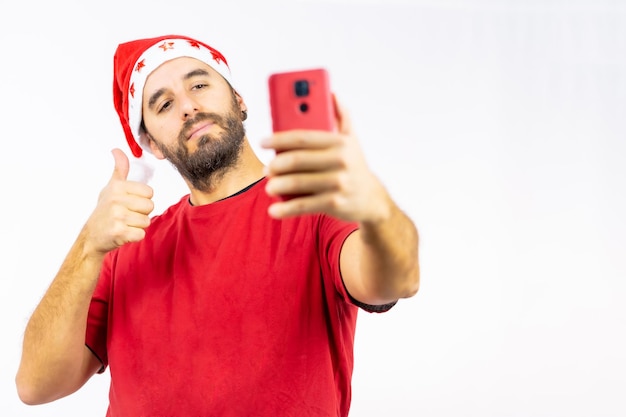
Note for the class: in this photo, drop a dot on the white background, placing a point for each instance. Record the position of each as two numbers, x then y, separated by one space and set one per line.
497 126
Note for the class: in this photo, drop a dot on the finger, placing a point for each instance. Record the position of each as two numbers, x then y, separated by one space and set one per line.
319 203
307 183
344 124
300 139
132 234
137 220
139 204
139 189
122 166
305 161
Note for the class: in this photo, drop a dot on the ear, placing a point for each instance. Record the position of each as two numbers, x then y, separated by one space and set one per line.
241 103
146 138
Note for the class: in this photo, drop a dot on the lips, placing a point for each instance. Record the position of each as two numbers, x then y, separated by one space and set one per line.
200 129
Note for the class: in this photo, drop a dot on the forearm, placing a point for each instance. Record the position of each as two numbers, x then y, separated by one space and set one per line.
53 363
389 261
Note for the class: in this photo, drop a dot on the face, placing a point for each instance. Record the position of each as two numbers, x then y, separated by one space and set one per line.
193 119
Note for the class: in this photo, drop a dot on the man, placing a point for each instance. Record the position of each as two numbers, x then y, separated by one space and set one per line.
234 301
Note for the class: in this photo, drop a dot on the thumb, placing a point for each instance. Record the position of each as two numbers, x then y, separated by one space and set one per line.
344 125
122 166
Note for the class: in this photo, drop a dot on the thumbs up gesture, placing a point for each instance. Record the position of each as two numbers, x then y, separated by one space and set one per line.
122 211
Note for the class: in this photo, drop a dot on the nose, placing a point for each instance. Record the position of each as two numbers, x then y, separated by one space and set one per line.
188 107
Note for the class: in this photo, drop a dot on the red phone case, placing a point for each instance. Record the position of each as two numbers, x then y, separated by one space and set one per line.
301 100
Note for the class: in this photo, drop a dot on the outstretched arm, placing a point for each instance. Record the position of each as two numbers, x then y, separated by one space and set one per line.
55 361
328 171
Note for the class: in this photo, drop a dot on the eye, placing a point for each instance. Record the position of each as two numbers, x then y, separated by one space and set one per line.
199 86
163 107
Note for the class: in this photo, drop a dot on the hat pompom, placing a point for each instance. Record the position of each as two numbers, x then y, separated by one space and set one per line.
141 169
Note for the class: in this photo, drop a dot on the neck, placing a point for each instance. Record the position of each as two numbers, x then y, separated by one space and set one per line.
248 169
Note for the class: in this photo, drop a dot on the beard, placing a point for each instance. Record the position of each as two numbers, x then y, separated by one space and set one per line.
214 156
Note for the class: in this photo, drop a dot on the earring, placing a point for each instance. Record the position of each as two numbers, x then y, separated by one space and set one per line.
244 115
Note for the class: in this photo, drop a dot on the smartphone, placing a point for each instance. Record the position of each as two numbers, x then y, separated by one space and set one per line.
301 99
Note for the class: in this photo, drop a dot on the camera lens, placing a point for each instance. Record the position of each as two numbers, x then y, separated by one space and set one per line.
301 88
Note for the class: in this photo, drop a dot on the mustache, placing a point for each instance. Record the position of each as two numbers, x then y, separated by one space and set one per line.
200 117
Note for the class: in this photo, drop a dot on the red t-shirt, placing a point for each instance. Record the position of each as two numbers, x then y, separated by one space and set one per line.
224 311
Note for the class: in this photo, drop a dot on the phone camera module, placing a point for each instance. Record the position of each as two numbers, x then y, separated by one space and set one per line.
301 88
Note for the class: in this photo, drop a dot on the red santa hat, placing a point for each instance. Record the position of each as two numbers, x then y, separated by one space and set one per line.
135 60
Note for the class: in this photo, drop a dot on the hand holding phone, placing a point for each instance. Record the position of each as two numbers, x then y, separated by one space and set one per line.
318 159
